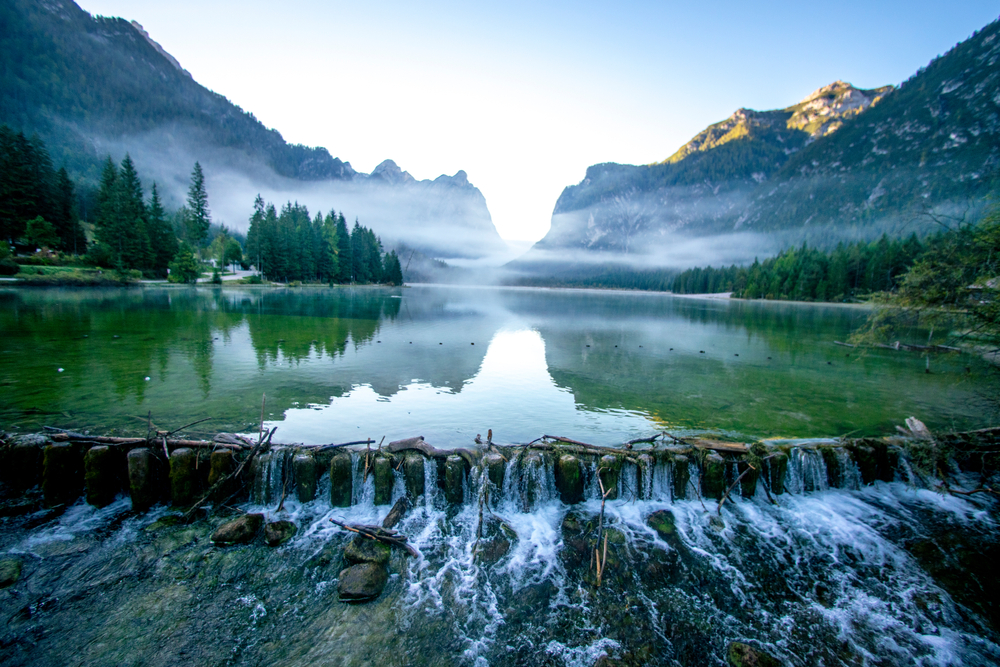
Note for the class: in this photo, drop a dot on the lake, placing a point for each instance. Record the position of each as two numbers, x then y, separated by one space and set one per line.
448 363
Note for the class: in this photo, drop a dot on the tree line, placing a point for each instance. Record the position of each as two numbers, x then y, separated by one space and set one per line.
37 203
808 274
290 246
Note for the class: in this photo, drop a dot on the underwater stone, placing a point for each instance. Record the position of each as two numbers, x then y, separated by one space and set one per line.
304 468
366 550
361 583
644 470
748 485
569 478
713 476
277 533
383 480
610 467
10 572
100 475
454 471
183 476
222 462
682 475
743 655
61 474
341 482
662 521
22 466
143 478
413 476
777 467
238 531
495 469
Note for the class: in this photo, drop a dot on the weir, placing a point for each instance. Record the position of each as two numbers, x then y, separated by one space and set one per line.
708 551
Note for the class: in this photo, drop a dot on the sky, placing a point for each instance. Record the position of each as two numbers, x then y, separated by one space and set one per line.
524 96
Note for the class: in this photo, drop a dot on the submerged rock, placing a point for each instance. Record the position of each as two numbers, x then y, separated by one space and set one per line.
744 655
277 533
366 550
10 572
238 531
662 521
361 583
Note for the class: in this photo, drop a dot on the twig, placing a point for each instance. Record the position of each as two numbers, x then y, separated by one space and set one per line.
380 536
733 485
178 430
263 443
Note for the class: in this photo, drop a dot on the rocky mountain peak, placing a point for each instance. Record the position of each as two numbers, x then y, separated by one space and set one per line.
390 172
159 49
824 110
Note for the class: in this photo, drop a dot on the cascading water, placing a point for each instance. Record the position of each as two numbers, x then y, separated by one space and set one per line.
833 576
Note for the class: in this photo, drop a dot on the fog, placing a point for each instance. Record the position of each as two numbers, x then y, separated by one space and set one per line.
446 218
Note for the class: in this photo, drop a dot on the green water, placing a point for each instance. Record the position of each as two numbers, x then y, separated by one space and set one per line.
342 364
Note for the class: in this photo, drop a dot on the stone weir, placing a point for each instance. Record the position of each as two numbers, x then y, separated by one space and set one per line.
56 469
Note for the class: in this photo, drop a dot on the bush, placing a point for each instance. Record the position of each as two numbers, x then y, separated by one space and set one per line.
8 267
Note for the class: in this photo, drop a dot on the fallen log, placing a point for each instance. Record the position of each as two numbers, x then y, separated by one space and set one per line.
70 436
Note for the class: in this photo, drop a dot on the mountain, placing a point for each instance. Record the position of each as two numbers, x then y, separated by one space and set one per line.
94 86
843 163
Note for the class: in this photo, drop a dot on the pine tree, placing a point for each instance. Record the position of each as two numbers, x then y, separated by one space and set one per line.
254 239
393 272
162 240
199 217
345 271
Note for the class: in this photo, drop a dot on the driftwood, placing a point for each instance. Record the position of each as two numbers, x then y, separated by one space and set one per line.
395 515
733 486
380 534
418 444
70 436
263 443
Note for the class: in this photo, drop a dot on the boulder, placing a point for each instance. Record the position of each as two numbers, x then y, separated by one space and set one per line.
495 469
361 583
744 655
609 467
366 550
382 469
413 475
238 531
222 462
62 474
143 478
100 474
304 465
569 479
277 533
454 473
184 486
10 572
713 476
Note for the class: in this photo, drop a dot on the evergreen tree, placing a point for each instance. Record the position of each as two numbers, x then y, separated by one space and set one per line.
199 218
345 271
254 246
162 240
184 268
393 272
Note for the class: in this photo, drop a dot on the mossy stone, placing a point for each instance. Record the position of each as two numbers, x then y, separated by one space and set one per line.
62 474
454 474
100 475
382 469
362 583
305 469
221 463
10 572
341 480
609 467
569 479
277 533
744 655
238 531
681 477
713 476
413 476
184 485
365 550
777 468
495 469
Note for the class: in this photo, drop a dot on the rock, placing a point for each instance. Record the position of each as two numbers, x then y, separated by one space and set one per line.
413 476
382 470
496 541
277 533
454 474
10 572
366 550
864 456
495 469
744 655
662 521
834 473
62 474
304 467
644 471
713 476
238 531
362 583
716 523
143 478
22 465
341 480
569 479
184 485
100 475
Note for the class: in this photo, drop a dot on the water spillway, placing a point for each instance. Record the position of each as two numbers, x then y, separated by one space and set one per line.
823 552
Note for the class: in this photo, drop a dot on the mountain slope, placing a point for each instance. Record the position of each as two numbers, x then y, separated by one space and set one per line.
93 86
842 163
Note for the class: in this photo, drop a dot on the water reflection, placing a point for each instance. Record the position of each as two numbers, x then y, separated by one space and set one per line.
448 363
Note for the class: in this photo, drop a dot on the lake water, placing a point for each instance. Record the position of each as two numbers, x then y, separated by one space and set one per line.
447 363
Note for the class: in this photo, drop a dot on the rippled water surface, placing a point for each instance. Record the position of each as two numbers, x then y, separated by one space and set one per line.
343 364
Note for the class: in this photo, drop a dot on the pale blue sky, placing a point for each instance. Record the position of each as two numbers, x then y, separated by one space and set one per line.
525 95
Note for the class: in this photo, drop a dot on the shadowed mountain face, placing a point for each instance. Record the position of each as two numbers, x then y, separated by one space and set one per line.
842 164
94 86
